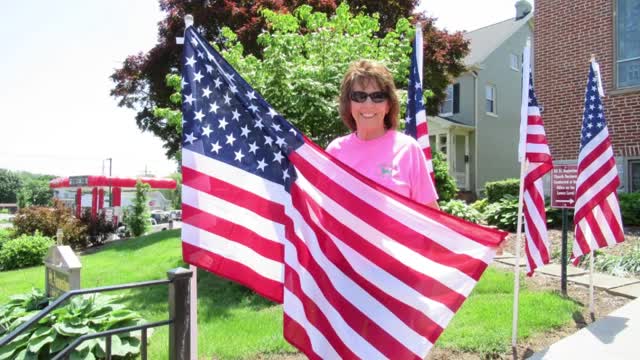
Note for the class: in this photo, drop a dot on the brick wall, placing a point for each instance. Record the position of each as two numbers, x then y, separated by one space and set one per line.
566 34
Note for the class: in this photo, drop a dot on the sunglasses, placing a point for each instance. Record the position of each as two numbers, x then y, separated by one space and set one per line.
376 96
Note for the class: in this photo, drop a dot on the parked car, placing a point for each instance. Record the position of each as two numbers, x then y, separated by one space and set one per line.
123 232
175 215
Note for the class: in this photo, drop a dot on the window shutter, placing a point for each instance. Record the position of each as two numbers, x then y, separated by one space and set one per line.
456 98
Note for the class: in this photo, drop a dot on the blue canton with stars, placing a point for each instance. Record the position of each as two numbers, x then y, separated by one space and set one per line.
225 119
533 101
593 121
415 103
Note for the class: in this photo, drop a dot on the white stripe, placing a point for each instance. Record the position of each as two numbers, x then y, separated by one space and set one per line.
391 285
602 136
421 117
589 239
612 199
231 212
535 130
596 165
449 276
533 148
444 236
354 294
533 110
595 188
264 188
351 338
294 309
234 251
601 220
538 225
424 141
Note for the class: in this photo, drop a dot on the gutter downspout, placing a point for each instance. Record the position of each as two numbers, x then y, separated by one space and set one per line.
475 145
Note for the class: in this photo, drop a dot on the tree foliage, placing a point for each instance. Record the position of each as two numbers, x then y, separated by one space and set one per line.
140 81
138 215
9 186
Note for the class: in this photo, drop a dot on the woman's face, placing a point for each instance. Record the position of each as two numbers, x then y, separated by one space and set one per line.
369 115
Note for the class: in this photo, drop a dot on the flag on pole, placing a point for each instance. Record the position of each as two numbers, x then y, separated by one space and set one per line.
416 120
362 272
534 149
597 218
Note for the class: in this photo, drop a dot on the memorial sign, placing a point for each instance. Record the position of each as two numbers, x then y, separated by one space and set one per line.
62 271
563 186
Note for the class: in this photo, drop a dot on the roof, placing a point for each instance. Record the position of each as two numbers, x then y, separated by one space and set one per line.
483 41
104 181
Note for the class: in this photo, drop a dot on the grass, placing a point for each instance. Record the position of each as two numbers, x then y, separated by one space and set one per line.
234 323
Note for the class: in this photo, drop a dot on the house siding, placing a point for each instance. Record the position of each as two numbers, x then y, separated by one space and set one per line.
562 64
497 136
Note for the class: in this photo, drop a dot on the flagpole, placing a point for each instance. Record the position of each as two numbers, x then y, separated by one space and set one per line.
419 51
592 312
193 289
526 60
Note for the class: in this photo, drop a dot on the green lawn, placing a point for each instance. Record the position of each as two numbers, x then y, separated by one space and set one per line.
234 323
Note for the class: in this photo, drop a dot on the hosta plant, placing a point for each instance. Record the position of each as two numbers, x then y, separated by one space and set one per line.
86 314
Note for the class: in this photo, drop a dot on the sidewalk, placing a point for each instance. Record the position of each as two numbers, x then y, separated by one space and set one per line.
627 287
614 337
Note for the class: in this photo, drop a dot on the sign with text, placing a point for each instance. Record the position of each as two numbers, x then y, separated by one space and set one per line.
78 180
563 186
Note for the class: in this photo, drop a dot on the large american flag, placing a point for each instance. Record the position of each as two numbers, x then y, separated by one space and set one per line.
361 271
536 151
416 117
597 214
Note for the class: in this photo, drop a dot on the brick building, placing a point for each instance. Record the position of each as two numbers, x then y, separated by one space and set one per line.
566 34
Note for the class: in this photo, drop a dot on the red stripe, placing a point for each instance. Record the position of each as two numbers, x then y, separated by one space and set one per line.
581 242
229 192
391 227
536 139
232 270
421 283
297 336
422 129
236 232
595 200
315 316
612 220
534 120
593 154
594 227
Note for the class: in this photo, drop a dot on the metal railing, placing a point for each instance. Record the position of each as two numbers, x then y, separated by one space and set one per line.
178 322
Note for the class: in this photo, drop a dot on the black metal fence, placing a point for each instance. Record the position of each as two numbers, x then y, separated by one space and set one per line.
178 281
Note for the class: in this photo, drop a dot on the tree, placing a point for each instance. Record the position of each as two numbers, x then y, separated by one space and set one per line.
140 82
35 190
138 215
175 195
9 186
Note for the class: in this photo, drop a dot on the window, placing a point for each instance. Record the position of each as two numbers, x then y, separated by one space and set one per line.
634 175
628 42
514 61
451 105
490 96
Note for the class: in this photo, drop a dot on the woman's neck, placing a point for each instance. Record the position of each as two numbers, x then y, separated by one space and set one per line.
370 134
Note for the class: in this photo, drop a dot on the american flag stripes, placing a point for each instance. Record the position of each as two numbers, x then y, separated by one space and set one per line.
416 118
361 271
536 152
597 218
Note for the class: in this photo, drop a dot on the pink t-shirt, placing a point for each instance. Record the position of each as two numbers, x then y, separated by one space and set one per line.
393 160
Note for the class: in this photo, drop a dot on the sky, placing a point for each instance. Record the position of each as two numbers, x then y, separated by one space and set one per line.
56 114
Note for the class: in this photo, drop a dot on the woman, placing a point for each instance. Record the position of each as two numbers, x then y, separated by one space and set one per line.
369 107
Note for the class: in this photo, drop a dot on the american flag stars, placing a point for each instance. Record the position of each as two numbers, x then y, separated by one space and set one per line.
224 118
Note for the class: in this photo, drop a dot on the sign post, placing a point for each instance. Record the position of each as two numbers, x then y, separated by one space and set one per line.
563 194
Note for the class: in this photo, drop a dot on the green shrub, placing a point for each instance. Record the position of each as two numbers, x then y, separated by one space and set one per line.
5 235
445 183
82 315
503 214
480 205
461 209
4 211
24 251
630 208
137 216
496 190
47 220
